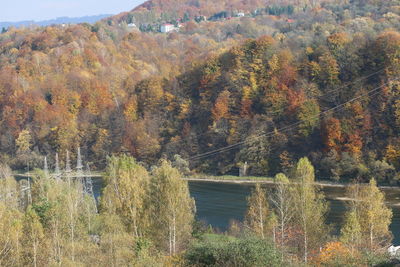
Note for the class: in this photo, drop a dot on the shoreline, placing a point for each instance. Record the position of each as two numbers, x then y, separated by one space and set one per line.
240 180
249 181
233 180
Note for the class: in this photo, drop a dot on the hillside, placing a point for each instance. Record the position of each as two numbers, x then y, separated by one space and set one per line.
61 20
258 83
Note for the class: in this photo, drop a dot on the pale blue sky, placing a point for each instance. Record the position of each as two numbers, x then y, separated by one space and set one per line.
17 10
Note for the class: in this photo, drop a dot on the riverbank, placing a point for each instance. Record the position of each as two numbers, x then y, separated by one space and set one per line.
263 180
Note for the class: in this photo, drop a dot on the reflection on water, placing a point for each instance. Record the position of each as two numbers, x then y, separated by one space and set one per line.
218 203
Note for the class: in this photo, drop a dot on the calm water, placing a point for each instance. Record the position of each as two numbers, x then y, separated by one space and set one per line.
219 203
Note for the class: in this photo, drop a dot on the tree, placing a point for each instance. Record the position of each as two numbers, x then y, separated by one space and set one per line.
329 70
62 210
23 141
125 192
34 239
116 243
310 207
374 216
258 215
350 234
10 219
256 152
308 117
332 134
336 254
221 106
282 201
11 235
172 208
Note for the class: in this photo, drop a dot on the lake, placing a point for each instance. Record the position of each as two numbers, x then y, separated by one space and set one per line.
219 203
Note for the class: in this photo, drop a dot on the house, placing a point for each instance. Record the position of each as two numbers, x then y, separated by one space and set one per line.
240 14
132 25
167 27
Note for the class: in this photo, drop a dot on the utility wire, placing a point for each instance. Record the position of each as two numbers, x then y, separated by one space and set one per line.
374 92
333 90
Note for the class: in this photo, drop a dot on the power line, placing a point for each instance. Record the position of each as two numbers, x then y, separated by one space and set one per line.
375 91
337 89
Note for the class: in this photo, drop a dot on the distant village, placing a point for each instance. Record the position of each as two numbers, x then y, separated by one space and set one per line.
177 24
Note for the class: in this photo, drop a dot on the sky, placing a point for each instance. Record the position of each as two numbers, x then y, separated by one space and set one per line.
19 10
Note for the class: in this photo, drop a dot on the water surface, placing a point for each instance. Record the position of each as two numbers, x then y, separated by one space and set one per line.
219 203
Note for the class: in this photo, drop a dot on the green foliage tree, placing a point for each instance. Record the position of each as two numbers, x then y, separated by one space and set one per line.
11 235
310 207
258 215
34 240
308 117
282 200
350 233
126 192
116 243
172 208
373 215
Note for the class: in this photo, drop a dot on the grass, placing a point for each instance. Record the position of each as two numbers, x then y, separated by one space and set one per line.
230 178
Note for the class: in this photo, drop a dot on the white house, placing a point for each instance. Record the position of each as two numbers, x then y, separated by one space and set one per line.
240 14
132 25
167 27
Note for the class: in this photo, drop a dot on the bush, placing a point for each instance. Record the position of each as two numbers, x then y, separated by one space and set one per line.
221 250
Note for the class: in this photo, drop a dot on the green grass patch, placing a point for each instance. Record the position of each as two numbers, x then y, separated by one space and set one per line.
231 178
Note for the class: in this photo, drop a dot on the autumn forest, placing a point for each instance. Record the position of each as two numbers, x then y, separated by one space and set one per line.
299 90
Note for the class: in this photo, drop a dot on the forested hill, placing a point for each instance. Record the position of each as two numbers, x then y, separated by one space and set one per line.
265 89
59 20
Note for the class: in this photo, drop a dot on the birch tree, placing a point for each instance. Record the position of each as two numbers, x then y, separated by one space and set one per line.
258 216
126 192
350 233
10 219
61 207
10 238
310 207
34 239
374 217
282 201
172 208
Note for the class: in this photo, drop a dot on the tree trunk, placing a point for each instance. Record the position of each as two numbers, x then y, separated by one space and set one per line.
35 253
305 246
371 236
261 218
174 234
170 240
